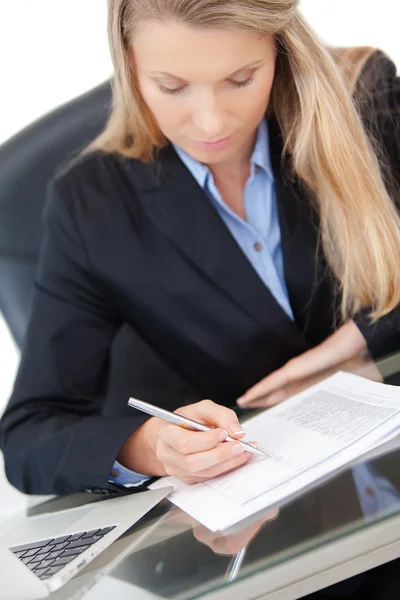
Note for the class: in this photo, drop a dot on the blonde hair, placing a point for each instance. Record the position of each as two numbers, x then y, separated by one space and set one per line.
324 138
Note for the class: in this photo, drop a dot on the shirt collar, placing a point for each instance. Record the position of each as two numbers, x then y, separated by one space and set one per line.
261 156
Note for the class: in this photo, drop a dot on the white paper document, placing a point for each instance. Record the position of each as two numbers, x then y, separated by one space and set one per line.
306 437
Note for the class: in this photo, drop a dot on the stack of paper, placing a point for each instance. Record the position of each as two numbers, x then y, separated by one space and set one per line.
306 437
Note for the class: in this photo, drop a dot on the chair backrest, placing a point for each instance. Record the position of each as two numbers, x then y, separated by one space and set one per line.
27 162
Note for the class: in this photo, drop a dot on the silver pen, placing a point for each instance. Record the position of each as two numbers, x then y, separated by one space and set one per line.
184 422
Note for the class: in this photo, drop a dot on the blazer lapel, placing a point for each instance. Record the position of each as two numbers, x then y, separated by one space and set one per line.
306 274
176 204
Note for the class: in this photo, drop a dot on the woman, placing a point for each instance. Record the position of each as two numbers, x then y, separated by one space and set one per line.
250 261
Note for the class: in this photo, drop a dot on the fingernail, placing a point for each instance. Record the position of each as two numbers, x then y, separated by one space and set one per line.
236 429
223 435
240 400
237 449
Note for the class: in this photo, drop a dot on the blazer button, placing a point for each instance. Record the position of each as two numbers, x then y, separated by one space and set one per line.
258 247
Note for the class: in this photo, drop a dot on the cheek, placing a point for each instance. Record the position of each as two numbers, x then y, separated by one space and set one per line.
167 111
258 101
253 105
265 87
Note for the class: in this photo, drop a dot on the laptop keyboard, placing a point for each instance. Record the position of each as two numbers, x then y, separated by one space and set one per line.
47 557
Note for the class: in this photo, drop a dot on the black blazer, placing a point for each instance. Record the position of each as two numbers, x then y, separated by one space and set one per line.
141 244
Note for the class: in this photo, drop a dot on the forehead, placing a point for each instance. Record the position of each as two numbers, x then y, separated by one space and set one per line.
189 52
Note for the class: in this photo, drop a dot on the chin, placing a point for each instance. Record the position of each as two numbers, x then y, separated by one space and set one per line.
212 157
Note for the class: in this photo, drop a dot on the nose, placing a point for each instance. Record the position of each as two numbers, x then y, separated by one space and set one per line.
208 118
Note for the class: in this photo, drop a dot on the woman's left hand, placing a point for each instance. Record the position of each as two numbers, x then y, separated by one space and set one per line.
311 366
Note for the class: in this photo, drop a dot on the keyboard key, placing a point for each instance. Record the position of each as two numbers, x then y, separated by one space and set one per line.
52 571
78 544
20 554
41 572
45 550
30 553
44 563
91 533
58 547
61 540
86 541
106 530
64 560
31 545
39 558
77 536
74 551
54 554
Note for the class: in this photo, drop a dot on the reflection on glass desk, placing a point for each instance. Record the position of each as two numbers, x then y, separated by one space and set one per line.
343 526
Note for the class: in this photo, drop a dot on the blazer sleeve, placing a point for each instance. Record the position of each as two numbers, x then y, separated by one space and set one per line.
378 95
53 435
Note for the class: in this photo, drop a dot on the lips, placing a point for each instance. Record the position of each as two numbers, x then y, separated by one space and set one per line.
216 141
221 144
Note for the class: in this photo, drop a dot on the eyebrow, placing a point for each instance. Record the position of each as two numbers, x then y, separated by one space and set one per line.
255 63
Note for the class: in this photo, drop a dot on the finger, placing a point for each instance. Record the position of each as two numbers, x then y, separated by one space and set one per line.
240 539
281 395
193 479
225 468
200 478
226 546
210 463
190 442
203 534
344 343
214 462
264 387
271 399
305 365
215 415
234 543
214 540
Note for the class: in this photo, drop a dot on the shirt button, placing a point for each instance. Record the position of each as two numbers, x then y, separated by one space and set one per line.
370 491
114 473
258 246
258 169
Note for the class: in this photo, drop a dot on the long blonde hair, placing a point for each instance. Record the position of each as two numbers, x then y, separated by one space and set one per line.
323 134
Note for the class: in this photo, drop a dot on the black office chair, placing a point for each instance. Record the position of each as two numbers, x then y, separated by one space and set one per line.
27 162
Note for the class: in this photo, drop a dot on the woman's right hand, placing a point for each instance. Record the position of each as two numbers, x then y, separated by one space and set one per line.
159 448
232 543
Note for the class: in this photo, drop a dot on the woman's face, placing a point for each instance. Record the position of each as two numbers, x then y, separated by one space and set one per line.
205 85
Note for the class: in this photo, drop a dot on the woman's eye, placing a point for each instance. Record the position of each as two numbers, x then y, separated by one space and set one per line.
176 91
244 83
165 90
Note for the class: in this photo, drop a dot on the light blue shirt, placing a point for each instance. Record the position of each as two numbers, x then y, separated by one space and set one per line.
259 237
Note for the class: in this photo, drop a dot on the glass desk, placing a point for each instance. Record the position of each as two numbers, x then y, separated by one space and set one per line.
323 536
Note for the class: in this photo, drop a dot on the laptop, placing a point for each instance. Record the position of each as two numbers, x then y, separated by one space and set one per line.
100 571
39 554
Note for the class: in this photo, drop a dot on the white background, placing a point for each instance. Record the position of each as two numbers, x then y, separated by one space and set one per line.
52 51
